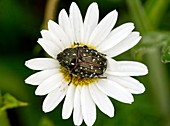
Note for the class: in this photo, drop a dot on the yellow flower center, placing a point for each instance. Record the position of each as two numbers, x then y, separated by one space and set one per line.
76 80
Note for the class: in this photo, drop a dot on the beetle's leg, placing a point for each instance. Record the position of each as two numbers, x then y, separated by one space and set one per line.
71 77
76 43
102 77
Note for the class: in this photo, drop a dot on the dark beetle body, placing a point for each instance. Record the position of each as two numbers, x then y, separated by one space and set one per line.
83 61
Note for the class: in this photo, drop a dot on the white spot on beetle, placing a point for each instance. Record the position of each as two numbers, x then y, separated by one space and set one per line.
93 60
72 63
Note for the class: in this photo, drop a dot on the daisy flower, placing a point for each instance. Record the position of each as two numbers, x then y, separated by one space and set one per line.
81 71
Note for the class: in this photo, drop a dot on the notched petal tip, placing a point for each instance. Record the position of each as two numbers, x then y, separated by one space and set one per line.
27 81
111 115
27 64
51 21
114 12
139 38
130 100
40 40
43 32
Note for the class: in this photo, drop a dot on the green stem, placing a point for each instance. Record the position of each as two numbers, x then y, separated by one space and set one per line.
138 14
4 118
157 72
159 83
155 10
50 12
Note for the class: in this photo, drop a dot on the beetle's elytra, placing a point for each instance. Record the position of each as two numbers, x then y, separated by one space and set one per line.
83 61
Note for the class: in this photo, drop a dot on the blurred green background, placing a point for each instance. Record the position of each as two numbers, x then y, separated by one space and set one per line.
20 25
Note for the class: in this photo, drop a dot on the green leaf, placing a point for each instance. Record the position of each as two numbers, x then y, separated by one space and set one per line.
153 40
166 53
8 101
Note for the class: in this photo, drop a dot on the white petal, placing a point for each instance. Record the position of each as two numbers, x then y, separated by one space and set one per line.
101 100
126 68
49 84
88 106
124 45
37 78
131 84
113 68
115 91
49 46
77 112
49 37
76 21
103 28
42 63
57 31
90 21
68 102
54 98
64 22
116 36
